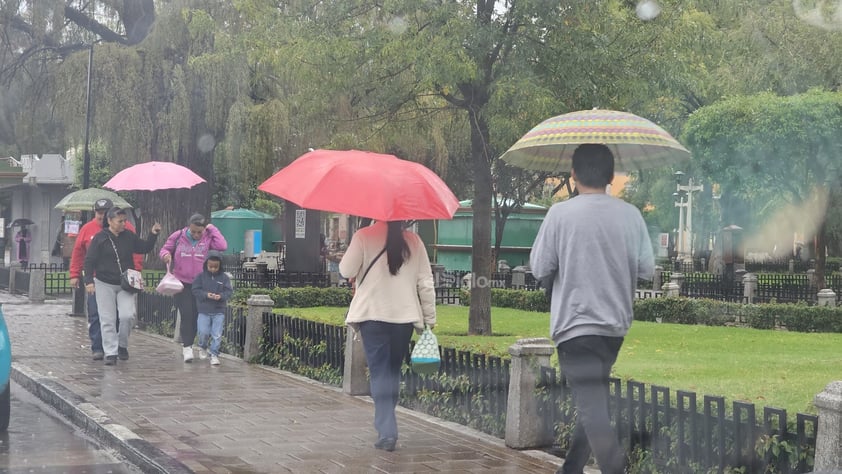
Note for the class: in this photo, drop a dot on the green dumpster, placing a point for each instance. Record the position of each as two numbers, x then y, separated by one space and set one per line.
234 223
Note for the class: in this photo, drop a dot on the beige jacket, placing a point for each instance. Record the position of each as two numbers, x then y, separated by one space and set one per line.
408 297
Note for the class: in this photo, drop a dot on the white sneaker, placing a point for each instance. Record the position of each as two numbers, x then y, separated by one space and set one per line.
203 353
188 354
214 360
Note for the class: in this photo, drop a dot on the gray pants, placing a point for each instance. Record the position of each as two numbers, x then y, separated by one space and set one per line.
110 299
586 361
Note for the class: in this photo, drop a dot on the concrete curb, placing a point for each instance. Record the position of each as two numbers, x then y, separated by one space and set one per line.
96 423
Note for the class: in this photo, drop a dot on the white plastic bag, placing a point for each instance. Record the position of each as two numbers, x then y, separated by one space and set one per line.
169 284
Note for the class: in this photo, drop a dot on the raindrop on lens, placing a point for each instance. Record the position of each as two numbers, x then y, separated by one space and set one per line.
648 10
206 143
397 25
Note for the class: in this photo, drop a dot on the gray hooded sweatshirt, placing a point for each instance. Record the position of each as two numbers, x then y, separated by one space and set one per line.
594 247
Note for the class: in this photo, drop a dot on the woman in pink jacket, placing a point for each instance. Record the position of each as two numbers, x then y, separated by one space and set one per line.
185 251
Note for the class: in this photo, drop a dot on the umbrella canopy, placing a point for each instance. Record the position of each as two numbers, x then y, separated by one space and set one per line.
361 183
152 176
21 221
84 199
635 142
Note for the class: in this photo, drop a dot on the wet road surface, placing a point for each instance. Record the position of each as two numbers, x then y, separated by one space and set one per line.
40 441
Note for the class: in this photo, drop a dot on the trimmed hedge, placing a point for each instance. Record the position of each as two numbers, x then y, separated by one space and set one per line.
792 317
303 297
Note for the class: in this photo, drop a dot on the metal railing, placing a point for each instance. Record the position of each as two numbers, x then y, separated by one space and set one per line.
682 434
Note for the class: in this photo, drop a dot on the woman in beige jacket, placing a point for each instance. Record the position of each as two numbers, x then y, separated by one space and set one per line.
394 294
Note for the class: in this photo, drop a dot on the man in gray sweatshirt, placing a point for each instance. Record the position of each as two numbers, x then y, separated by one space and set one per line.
592 248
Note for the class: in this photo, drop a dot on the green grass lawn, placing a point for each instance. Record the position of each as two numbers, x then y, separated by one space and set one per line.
765 367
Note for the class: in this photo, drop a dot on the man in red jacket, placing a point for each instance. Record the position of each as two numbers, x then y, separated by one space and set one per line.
77 262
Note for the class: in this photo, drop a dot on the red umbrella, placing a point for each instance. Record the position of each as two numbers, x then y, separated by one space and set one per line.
361 183
152 176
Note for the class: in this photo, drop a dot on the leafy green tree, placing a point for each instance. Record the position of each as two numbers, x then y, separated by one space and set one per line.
765 148
492 70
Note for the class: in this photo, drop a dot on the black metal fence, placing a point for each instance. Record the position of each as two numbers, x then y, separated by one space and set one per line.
709 285
685 435
311 344
49 267
680 432
785 289
157 314
57 283
471 389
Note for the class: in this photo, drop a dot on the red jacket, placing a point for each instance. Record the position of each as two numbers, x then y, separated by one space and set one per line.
83 239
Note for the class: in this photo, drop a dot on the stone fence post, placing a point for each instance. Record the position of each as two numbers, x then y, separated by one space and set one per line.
658 277
671 290
811 276
12 278
678 279
829 433
354 381
827 297
438 273
257 305
37 292
750 287
518 277
525 426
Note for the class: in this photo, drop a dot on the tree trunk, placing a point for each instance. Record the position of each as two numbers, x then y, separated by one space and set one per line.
479 316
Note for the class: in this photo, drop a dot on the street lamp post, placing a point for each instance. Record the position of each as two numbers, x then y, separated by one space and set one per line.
681 204
684 247
79 295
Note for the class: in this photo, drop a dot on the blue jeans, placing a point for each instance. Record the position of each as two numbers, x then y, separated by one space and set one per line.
210 325
386 345
586 362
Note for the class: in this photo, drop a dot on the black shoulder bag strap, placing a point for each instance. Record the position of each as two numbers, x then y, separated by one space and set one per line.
370 265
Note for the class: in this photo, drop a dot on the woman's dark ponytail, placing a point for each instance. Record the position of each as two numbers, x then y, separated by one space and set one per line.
397 250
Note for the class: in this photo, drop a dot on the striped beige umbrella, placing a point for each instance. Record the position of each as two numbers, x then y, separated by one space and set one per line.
635 142
84 199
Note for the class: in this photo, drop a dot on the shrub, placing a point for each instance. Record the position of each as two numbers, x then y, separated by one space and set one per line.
303 297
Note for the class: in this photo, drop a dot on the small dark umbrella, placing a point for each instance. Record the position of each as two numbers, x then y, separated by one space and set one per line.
21 222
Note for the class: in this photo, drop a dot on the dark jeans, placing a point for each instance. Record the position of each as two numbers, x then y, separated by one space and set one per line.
186 304
386 346
586 363
94 327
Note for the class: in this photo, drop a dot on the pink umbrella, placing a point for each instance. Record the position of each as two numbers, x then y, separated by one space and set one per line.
152 176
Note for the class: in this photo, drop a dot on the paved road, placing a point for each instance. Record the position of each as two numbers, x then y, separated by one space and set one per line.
237 418
40 441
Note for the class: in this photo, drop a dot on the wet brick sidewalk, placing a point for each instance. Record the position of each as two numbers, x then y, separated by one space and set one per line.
237 418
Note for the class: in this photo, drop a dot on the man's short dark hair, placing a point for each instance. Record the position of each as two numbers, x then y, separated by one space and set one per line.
594 165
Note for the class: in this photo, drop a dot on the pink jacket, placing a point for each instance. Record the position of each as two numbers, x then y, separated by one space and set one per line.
188 258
